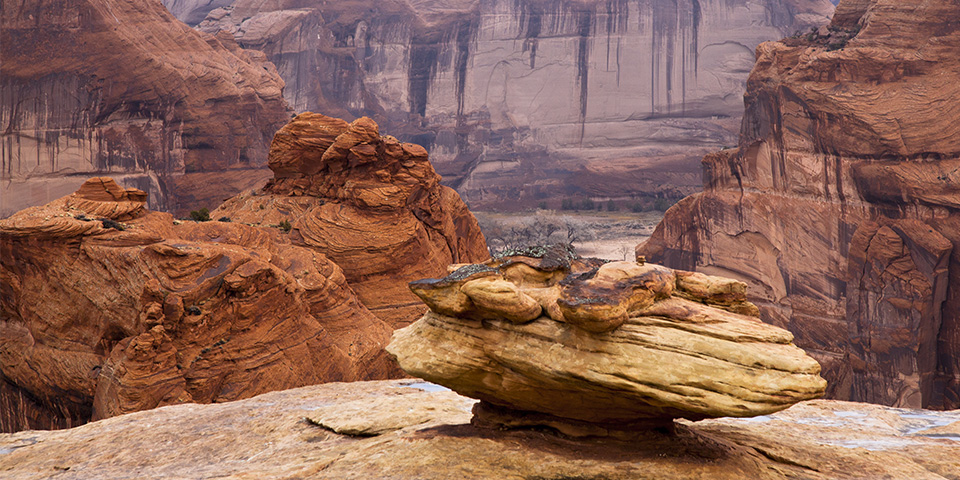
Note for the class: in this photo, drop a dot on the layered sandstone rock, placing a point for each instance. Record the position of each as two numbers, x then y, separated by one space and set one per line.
543 339
104 86
521 101
110 308
267 438
839 207
370 203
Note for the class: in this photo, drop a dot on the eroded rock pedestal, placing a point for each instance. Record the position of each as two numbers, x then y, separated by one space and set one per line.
543 337
370 203
109 308
840 207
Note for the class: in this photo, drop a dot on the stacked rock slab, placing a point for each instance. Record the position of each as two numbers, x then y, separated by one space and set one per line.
543 337
109 308
840 207
370 203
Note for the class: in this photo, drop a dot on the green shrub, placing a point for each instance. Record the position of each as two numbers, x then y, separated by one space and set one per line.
663 204
285 226
202 215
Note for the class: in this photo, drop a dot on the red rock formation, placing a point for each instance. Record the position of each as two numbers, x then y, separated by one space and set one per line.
110 308
839 208
372 204
98 86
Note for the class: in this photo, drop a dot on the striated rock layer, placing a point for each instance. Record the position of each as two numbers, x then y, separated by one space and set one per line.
521 101
839 208
109 308
543 337
370 203
122 87
378 430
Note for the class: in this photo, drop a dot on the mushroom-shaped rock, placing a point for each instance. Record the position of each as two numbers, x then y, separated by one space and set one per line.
663 357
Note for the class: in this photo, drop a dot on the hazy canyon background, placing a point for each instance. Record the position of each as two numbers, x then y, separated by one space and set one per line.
520 103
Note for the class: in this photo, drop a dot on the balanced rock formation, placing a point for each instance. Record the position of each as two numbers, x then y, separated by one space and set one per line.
519 101
371 204
110 308
378 430
839 208
92 87
543 337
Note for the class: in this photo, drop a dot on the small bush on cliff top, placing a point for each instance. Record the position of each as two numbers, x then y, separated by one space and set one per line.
285 226
202 215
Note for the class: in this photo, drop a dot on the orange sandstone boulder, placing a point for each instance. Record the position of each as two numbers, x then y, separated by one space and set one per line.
370 203
109 308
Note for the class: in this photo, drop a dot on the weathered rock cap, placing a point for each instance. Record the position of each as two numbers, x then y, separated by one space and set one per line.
320 156
617 347
96 207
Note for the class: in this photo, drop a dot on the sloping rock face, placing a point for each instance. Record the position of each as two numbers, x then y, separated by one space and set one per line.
371 204
543 339
109 308
104 86
839 207
520 101
267 438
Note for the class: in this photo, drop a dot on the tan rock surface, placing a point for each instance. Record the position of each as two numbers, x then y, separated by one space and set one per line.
370 203
266 437
94 87
110 308
620 351
839 208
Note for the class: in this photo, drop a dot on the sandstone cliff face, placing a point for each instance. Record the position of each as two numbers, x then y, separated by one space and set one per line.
541 98
103 86
370 203
109 308
398 430
839 208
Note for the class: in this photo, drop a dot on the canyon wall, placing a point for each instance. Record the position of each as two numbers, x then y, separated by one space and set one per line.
839 208
531 98
123 88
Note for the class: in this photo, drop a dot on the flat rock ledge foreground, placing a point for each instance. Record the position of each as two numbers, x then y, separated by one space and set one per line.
401 429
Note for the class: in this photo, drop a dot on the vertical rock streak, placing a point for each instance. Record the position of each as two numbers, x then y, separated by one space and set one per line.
584 23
